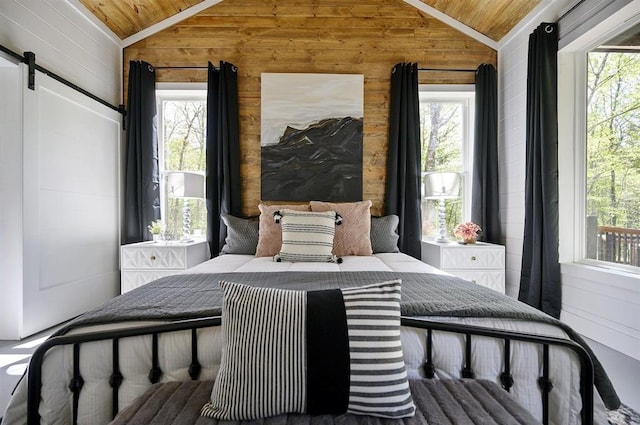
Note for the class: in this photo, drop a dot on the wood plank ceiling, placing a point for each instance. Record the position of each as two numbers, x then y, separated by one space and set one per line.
493 18
126 18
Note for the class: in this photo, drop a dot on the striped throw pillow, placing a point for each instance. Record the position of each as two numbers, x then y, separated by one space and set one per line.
306 236
378 380
318 352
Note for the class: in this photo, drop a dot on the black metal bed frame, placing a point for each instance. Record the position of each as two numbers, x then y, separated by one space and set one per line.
34 382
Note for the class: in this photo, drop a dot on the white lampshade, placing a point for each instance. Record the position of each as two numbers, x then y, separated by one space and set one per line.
184 184
441 185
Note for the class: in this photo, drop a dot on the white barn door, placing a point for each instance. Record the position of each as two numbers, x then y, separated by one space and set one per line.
71 163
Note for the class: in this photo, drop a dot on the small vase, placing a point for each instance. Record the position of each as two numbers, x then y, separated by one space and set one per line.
157 237
469 241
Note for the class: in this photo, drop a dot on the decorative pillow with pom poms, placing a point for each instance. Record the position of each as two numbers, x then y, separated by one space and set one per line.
307 236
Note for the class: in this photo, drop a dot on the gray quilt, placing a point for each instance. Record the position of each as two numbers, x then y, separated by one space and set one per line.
198 295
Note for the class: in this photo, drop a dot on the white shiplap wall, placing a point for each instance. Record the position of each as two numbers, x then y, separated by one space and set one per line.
512 98
600 306
65 42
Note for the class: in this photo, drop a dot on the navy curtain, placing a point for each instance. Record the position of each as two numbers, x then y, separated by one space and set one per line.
402 190
142 179
223 152
540 275
485 207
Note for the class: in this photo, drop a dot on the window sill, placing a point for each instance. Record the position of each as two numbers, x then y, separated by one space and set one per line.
606 276
602 304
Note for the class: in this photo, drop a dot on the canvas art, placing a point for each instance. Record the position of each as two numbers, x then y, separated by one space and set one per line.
311 137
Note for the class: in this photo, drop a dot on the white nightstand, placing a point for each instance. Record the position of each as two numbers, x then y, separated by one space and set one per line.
481 263
140 263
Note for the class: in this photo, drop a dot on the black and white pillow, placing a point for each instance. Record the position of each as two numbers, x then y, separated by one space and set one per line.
306 235
316 352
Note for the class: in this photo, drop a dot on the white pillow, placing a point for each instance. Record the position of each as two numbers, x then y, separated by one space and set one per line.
306 236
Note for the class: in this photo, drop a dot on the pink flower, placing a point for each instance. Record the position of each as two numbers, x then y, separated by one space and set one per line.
467 230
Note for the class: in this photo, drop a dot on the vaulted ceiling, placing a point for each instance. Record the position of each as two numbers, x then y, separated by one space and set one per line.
126 18
491 18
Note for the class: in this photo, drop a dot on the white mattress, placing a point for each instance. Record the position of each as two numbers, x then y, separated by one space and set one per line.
378 262
565 405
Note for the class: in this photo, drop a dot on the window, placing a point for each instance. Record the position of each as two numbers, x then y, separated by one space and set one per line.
612 165
181 134
446 132
599 297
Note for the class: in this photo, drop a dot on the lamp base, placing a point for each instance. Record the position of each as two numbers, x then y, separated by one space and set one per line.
443 224
186 220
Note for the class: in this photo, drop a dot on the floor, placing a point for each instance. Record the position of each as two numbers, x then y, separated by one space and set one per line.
14 359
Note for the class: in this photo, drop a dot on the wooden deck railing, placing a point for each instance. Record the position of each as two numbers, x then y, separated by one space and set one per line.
618 245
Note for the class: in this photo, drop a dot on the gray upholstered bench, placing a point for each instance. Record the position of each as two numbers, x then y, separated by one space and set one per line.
438 402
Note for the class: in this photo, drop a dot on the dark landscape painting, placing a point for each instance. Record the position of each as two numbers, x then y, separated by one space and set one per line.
311 138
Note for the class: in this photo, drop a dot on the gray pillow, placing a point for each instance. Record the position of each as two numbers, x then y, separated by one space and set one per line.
384 234
242 235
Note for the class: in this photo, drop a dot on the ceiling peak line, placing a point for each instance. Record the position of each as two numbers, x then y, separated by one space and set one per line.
453 23
93 20
166 23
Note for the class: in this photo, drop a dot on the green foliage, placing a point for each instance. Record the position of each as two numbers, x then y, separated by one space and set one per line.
184 150
441 125
613 139
441 136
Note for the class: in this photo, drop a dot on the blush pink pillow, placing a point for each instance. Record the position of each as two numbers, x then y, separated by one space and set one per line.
353 236
270 232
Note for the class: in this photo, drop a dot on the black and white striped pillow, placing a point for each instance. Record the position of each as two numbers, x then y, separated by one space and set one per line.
378 379
316 352
306 236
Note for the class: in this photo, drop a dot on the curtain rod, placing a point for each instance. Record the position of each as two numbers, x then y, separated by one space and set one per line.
571 9
180 67
184 67
419 69
29 58
446 70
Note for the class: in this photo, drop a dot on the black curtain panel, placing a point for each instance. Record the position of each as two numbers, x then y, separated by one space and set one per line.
223 152
540 275
484 195
142 177
402 190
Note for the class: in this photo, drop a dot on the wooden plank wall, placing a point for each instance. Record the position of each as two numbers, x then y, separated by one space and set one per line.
313 36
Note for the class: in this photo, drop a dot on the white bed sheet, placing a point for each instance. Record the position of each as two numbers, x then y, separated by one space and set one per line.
378 262
565 406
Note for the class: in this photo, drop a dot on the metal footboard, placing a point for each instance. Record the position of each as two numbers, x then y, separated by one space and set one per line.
545 383
468 333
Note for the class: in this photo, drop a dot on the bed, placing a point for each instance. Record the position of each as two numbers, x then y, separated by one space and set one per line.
426 293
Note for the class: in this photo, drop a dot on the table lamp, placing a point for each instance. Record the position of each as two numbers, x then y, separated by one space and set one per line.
441 186
186 185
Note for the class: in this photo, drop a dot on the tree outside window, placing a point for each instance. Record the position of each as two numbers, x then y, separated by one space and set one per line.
444 130
182 148
613 157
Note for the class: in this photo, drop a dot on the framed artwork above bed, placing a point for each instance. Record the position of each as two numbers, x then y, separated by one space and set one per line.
311 137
